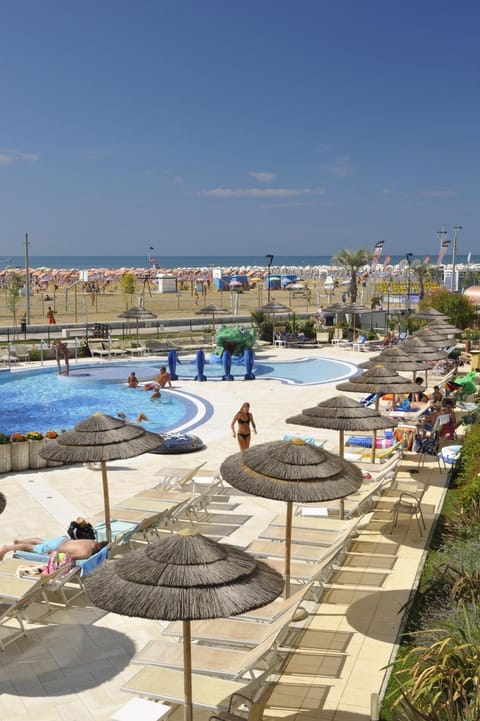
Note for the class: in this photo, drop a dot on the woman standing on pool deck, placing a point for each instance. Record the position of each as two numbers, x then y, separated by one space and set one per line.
244 420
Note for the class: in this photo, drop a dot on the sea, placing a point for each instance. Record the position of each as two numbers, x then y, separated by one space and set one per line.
168 262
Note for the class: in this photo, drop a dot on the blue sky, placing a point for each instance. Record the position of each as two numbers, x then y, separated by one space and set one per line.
218 126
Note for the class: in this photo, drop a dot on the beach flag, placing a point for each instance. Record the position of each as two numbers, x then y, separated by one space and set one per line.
377 252
469 257
443 249
427 260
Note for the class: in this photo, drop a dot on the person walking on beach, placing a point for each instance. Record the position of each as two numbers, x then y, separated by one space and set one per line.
51 316
243 419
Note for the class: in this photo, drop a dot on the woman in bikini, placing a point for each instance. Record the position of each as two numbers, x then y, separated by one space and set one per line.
244 420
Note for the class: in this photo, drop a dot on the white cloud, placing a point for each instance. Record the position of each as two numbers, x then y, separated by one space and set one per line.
437 193
340 167
260 192
263 177
9 156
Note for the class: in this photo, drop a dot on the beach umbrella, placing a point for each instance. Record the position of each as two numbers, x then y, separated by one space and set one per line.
98 439
443 327
3 502
271 309
379 380
200 360
138 313
293 471
184 577
429 314
227 365
212 310
355 309
172 364
396 359
431 337
419 349
249 360
342 414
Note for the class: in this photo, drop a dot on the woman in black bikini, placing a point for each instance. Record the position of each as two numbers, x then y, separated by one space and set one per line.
244 419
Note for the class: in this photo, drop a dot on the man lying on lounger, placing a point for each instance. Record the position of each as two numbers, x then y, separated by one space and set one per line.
77 548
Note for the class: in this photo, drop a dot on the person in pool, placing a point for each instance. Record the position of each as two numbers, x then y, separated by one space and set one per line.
132 380
163 379
141 417
77 548
243 419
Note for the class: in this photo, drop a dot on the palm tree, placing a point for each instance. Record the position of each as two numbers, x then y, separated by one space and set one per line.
422 271
352 260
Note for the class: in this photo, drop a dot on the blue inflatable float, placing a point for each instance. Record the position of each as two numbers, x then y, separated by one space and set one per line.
179 443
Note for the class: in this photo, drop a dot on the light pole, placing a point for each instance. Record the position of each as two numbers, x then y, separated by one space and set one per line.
269 258
456 229
409 257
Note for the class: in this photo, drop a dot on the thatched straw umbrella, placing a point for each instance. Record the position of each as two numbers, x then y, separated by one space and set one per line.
271 309
433 337
396 359
342 414
355 309
379 379
212 310
293 471
186 577
3 502
98 439
443 326
429 314
138 313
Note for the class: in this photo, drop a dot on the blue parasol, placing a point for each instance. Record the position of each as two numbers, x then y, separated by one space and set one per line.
200 366
249 358
227 365
172 364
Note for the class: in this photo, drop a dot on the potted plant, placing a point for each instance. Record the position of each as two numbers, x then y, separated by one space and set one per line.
20 452
36 441
5 453
50 436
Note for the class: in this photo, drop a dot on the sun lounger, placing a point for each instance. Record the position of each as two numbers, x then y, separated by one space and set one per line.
135 349
275 549
240 631
233 663
167 684
177 477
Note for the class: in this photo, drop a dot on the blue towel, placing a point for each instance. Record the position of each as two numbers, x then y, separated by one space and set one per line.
89 564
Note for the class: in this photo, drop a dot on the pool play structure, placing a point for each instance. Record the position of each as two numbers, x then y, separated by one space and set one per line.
41 400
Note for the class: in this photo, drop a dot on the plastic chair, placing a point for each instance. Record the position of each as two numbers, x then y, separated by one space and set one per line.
409 502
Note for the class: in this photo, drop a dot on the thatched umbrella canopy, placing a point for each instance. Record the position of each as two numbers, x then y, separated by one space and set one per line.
396 359
419 349
355 309
342 414
443 327
212 310
138 313
98 439
429 314
435 338
3 502
293 471
379 380
186 577
271 309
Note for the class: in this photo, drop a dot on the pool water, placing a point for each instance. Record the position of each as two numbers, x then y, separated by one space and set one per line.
40 400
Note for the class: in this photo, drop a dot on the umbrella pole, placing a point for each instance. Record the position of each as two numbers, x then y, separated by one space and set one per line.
187 672
342 455
106 501
288 547
374 445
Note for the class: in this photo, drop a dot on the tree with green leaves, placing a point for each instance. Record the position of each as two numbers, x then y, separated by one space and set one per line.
352 260
15 282
127 286
459 308
422 271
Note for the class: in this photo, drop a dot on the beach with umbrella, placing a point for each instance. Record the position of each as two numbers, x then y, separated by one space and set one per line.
99 439
184 577
292 471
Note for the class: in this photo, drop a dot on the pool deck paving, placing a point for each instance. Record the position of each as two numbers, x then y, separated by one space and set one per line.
73 662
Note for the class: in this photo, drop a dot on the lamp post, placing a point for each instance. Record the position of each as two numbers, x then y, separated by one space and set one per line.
456 229
409 257
269 258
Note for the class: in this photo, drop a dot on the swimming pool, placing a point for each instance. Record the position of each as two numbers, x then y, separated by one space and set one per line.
40 400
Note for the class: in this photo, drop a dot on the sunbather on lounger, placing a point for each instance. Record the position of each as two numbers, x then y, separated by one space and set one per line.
77 548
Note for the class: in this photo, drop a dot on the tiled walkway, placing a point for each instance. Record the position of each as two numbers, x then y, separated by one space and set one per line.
72 664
